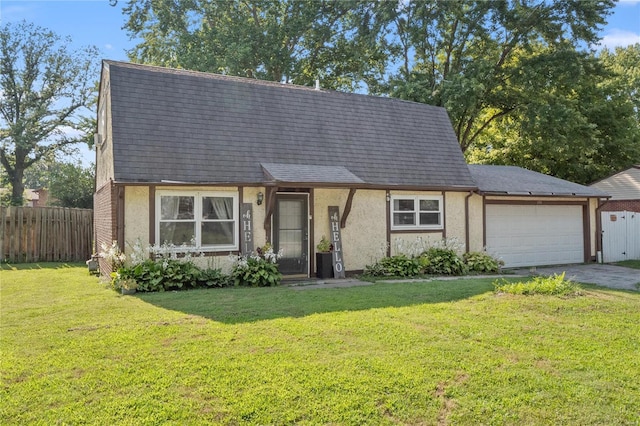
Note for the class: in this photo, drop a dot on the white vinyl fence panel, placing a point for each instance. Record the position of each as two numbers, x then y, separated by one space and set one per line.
620 236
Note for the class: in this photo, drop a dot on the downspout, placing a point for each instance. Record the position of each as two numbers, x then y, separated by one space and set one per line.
601 204
467 221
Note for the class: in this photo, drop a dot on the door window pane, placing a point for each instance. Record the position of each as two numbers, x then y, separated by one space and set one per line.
290 214
290 242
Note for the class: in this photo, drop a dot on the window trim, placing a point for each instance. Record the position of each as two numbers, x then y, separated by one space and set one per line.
197 211
416 212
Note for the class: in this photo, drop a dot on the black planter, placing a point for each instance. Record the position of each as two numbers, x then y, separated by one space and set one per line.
324 265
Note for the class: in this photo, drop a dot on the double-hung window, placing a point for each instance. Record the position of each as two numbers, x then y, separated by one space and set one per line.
206 220
416 212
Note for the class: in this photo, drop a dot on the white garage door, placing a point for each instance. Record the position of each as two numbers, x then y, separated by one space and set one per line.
528 235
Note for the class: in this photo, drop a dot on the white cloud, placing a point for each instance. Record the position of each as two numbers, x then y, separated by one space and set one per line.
108 46
15 13
619 38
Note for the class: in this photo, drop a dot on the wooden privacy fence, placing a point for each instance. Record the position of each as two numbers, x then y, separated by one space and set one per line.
45 234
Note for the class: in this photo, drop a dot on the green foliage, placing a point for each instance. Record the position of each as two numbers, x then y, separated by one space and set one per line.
287 40
169 274
324 245
72 185
442 261
582 125
369 355
256 272
214 277
553 285
44 86
394 266
477 261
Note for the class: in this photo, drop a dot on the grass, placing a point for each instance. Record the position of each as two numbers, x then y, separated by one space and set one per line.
447 352
635 264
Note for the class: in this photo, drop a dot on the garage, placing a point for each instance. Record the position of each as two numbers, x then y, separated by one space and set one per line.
535 234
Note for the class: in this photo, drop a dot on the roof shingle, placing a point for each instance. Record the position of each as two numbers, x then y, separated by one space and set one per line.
206 128
512 180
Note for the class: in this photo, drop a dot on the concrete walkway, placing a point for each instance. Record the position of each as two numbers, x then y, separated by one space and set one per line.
593 273
600 274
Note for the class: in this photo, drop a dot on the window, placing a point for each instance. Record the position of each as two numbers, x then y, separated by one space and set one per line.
413 212
208 219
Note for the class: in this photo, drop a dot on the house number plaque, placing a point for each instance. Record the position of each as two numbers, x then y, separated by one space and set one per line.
247 228
336 240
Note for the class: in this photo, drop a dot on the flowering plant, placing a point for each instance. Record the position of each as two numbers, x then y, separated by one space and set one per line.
257 270
113 255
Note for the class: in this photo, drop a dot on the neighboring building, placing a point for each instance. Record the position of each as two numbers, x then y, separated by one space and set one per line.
624 188
619 218
180 154
37 197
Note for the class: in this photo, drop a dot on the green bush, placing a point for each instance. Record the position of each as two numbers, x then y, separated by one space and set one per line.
169 274
479 261
394 266
214 278
256 271
442 261
553 285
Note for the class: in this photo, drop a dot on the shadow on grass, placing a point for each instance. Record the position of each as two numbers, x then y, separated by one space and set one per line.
39 265
239 305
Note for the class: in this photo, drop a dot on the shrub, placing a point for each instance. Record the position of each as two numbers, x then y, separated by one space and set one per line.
479 261
394 266
553 285
442 261
167 271
214 278
170 274
257 270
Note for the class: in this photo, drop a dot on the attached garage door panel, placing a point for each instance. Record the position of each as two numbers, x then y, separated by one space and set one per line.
526 235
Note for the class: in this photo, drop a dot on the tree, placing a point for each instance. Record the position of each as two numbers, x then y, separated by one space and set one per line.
583 127
516 76
468 56
72 185
280 40
45 87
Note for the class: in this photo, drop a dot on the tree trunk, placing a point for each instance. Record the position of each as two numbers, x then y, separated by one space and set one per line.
17 187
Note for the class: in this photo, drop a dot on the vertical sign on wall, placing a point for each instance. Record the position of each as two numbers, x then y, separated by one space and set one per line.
247 227
336 240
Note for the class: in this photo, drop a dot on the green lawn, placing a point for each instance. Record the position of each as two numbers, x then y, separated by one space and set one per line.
629 263
448 352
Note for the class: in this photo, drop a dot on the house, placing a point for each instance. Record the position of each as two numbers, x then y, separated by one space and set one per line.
36 197
624 188
230 163
619 218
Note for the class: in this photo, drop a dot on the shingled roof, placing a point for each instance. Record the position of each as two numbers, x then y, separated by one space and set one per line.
512 180
177 125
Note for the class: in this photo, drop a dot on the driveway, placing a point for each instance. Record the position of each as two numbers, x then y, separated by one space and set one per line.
593 273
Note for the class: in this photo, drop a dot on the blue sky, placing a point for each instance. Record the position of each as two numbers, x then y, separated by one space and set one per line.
95 22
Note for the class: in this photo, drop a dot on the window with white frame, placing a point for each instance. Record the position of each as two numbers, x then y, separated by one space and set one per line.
416 212
208 220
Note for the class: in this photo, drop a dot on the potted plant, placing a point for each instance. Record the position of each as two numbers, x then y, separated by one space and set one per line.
93 265
128 286
324 262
